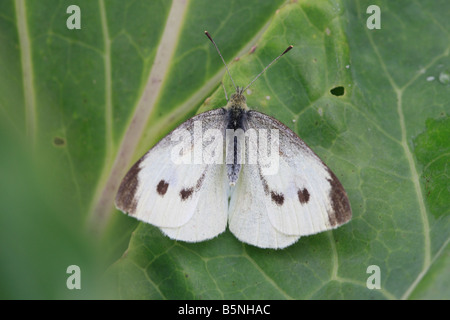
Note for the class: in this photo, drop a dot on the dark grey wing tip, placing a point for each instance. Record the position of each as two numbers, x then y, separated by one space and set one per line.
125 197
341 211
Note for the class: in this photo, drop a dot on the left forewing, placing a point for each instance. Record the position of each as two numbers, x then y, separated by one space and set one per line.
303 196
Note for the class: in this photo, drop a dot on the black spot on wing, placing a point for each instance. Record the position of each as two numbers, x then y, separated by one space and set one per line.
125 198
303 195
341 211
186 193
278 198
161 188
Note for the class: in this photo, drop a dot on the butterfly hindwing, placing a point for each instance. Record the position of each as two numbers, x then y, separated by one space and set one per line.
249 216
210 215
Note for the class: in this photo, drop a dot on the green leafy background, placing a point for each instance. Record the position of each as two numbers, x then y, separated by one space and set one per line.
74 118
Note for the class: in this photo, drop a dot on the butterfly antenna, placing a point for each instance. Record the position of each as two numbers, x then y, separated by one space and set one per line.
284 52
226 67
224 90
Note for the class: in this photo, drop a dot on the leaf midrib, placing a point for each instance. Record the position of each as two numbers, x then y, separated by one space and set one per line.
27 70
108 81
102 203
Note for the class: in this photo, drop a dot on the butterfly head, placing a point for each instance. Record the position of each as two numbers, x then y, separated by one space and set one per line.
238 100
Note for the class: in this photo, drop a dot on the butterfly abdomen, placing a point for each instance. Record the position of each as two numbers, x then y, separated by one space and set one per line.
236 127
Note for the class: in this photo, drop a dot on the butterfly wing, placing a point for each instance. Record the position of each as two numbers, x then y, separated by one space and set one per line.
303 197
173 195
249 216
210 215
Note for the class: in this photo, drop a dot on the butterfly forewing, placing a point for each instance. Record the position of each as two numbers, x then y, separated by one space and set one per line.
304 197
168 194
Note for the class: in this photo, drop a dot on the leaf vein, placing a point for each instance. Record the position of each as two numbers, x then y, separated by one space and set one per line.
266 276
102 204
27 70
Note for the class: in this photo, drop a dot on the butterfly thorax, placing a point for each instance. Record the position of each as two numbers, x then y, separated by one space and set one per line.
236 119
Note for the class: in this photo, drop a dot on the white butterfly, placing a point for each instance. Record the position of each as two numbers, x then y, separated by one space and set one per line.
194 200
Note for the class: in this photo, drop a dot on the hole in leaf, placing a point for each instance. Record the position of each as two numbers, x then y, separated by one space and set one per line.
59 142
337 91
